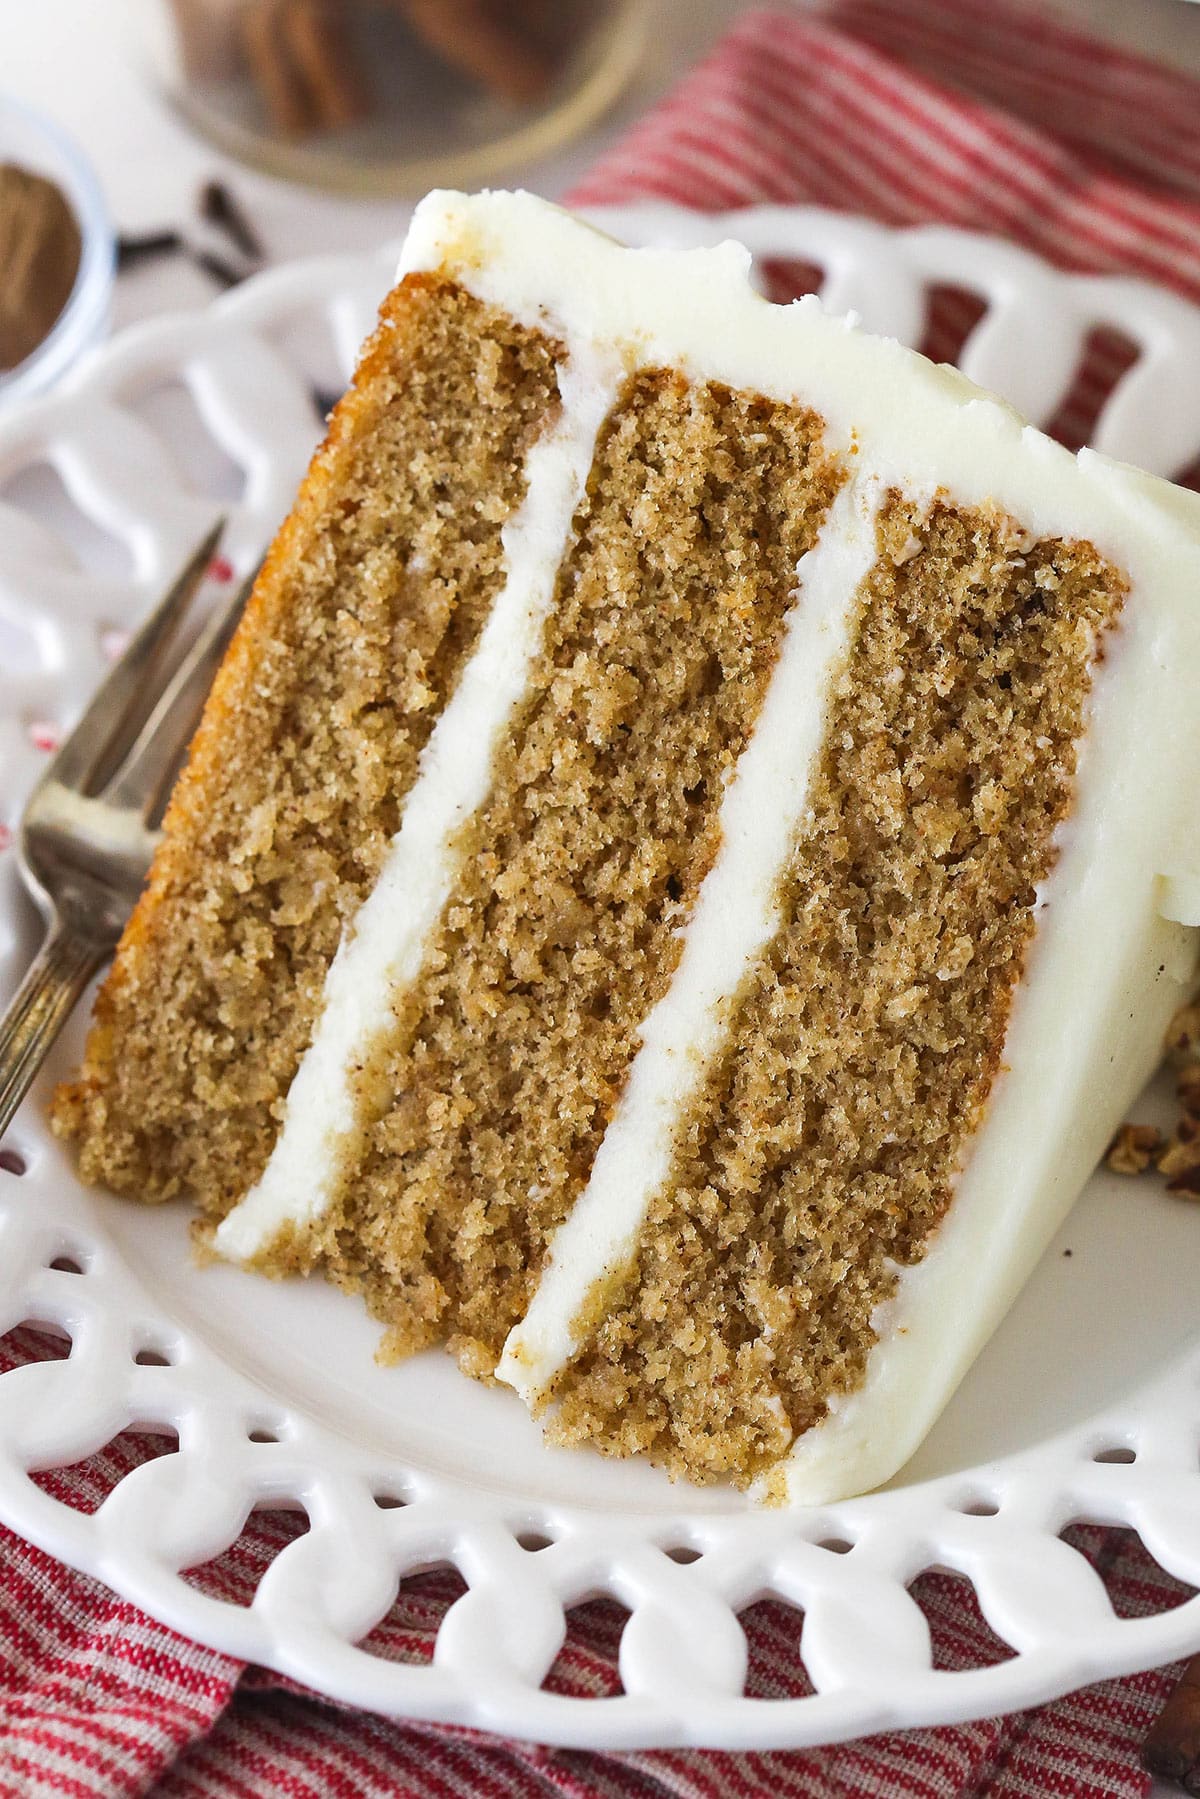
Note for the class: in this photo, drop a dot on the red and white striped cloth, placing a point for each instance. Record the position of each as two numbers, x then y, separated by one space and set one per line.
964 112
967 111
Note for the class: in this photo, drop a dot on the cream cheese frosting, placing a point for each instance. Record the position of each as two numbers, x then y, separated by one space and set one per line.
736 915
385 947
1112 956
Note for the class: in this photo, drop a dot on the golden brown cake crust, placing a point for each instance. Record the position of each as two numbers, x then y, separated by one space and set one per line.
369 602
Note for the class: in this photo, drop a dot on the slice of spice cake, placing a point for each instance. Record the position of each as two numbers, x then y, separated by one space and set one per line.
685 864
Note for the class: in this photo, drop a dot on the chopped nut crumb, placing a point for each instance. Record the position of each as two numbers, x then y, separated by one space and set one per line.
1188 1089
1183 1034
202 1232
1133 1148
1178 1157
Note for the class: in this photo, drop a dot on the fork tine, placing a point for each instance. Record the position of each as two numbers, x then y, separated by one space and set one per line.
117 707
141 781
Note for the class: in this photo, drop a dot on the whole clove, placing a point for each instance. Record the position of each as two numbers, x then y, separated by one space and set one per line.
219 207
133 251
215 202
220 271
147 246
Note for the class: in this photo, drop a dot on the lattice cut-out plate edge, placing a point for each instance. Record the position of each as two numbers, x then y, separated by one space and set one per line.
145 1349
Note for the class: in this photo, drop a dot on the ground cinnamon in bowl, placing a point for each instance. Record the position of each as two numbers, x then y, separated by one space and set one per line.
40 250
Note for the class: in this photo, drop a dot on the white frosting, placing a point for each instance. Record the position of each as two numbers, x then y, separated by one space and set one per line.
1104 975
385 947
1108 964
916 422
735 916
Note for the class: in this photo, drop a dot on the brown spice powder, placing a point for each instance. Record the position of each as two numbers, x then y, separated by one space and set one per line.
40 249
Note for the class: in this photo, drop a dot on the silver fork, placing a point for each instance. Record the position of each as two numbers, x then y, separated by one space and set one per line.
87 834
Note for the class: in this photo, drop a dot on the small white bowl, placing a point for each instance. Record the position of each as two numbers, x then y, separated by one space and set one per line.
35 142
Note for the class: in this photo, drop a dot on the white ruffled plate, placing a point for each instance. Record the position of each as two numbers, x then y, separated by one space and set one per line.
1086 1406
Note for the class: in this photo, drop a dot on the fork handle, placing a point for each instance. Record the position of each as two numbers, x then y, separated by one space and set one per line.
44 1001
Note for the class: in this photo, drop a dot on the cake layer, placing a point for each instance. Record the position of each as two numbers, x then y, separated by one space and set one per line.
333 1095
821 1154
370 603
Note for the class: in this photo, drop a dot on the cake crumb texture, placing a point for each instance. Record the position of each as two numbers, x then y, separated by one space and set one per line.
822 1151
579 873
370 602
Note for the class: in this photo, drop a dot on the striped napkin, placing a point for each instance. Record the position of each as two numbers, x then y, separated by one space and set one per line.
966 111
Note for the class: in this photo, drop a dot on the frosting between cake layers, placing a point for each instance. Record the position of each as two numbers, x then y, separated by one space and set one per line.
736 915
385 946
